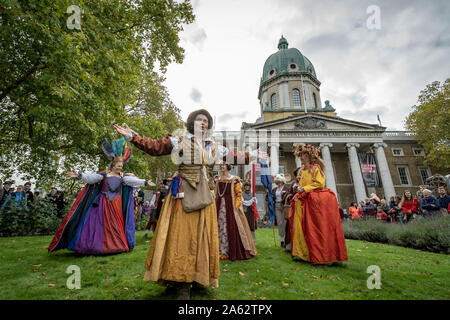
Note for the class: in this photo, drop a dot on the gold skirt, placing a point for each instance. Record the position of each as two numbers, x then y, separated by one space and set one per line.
185 246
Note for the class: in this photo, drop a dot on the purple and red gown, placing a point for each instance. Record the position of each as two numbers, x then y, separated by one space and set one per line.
101 220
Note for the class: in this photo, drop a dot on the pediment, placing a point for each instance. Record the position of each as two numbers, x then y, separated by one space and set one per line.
316 122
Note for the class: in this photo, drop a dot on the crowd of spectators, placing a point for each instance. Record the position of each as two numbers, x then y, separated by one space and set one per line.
23 196
402 209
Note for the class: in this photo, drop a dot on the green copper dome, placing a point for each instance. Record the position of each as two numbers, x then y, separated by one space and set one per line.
286 60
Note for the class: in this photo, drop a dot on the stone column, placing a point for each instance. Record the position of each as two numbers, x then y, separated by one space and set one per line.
385 174
298 161
358 182
329 172
274 158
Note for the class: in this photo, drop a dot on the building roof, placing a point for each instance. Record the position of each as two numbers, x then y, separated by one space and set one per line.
280 62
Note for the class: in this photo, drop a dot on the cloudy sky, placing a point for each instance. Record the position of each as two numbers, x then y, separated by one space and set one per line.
364 71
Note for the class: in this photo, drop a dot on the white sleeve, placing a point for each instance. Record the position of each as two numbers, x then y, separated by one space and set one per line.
90 178
133 181
223 151
174 141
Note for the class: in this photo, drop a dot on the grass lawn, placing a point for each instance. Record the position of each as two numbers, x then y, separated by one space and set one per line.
27 271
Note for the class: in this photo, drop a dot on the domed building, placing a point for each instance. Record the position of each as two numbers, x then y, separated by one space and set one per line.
360 158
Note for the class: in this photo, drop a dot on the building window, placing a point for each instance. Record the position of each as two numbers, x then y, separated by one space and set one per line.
272 73
397 152
296 98
403 174
424 173
293 66
281 152
418 152
273 101
315 100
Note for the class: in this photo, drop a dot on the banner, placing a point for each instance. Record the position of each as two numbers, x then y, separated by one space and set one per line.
369 169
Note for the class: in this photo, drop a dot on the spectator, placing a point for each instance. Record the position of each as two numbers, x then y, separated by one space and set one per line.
429 204
279 193
52 196
360 209
384 205
374 198
19 198
410 205
146 209
381 215
391 202
59 201
5 190
36 196
353 210
443 199
396 213
29 193
369 208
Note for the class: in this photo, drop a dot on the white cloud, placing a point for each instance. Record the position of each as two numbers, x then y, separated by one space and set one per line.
363 72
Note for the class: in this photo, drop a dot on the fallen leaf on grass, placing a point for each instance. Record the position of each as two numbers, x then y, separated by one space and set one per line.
359 250
262 298
225 270
315 277
68 297
125 288
43 274
12 241
437 262
311 293
137 276
284 283
51 285
241 274
108 284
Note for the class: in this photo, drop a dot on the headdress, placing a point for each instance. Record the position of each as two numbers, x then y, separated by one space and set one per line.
311 150
118 150
280 178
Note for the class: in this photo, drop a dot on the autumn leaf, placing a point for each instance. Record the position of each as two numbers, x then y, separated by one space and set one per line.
51 285
108 284
262 298
225 270
137 276
437 262
284 283
241 274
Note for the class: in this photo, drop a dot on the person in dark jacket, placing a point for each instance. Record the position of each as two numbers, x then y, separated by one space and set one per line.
29 193
443 200
429 204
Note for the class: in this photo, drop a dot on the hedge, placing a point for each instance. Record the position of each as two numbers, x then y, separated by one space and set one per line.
428 234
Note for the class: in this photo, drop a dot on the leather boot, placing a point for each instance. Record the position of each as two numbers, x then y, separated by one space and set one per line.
183 291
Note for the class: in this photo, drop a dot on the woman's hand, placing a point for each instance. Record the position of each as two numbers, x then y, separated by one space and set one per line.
300 190
150 183
72 174
124 131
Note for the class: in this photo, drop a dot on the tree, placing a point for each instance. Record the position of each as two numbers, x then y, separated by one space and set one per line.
429 122
62 88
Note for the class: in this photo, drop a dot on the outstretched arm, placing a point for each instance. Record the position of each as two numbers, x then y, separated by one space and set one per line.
154 147
89 178
132 181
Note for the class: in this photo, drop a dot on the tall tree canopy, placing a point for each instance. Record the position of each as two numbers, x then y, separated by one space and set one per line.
429 122
62 88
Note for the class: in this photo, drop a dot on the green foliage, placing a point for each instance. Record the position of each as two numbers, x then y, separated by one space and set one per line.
431 234
429 122
61 89
38 218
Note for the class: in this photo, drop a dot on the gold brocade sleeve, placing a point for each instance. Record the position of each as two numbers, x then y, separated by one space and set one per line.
238 193
318 180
